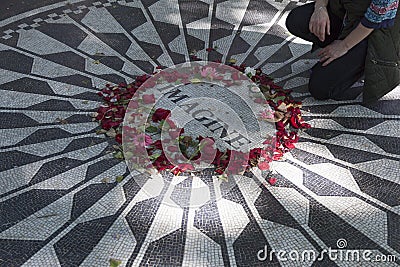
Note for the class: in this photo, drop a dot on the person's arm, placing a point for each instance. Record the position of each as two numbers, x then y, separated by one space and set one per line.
373 19
319 21
340 47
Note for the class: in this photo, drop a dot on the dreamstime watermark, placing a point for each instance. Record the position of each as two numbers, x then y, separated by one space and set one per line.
338 254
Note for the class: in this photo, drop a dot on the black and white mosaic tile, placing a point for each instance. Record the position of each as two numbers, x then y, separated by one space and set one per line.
60 204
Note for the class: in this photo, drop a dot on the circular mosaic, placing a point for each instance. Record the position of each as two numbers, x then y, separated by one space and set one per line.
65 200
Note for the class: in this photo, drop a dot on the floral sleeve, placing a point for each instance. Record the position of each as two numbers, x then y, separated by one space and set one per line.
380 14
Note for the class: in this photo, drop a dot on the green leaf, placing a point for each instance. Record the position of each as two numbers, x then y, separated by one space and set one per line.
115 262
276 99
232 61
195 80
96 62
119 155
101 131
151 129
119 178
154 156
223 177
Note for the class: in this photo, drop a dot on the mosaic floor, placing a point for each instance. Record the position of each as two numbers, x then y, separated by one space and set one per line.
61 206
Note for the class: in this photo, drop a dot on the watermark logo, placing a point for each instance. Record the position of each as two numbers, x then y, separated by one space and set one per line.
338 254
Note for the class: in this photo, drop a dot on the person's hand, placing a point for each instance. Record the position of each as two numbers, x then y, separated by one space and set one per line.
320 23
332 52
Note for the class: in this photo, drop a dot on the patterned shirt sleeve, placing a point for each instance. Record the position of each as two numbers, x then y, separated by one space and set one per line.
380 14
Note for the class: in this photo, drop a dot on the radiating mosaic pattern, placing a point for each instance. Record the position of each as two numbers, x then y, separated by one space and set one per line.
60 204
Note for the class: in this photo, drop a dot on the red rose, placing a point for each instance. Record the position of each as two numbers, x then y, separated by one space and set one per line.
272 181
118 138
185 166
157 144
160 114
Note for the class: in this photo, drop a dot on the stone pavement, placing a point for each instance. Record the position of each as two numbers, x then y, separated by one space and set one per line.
60 204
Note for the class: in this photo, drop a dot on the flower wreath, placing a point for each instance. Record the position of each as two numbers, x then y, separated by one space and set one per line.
280 109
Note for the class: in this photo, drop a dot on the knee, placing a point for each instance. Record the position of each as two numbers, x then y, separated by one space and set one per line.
318 89
291 22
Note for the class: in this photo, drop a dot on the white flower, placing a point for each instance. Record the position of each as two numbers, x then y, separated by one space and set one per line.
249 71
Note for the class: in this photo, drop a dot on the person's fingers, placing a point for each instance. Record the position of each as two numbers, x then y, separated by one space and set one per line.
328 27
323 52
324 58
321 32
328 61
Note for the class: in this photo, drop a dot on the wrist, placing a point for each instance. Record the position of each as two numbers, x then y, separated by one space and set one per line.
346 45
320 5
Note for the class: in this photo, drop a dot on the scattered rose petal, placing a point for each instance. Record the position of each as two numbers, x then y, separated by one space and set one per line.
272 181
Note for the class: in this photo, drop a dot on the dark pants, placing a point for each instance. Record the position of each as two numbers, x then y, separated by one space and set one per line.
334 80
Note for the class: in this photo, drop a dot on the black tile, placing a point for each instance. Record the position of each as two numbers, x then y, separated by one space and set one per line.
53 105
258 12
99 167
330 228
128 17
322 186
68 34
386 191
307 157
394 230
166 251
352 155
88 196
74 247
76 79
208 222
358 124
68 59
14 61
79 118
115 63
53 168
270 209
16 252
82 143
247 246
43 135
387 107
387 143
17 208
16 158
28 85
140 219
131 188
118 41
15 120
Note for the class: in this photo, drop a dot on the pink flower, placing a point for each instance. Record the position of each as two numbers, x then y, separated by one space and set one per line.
263 165
208 72
141 139
267 114
148 99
